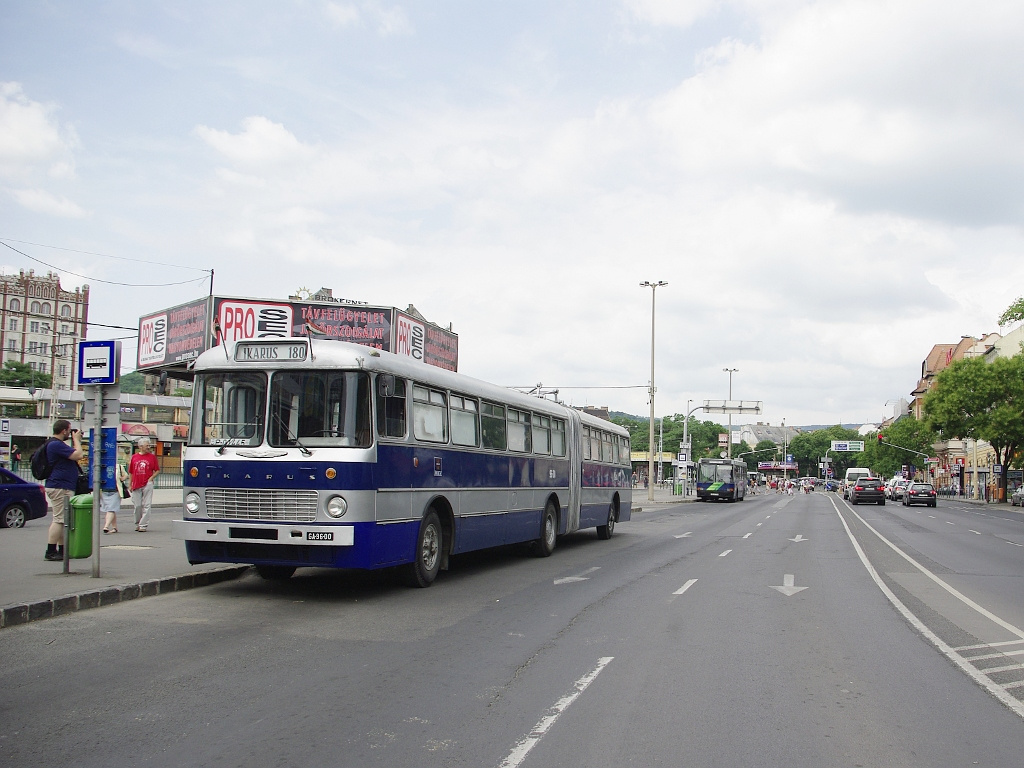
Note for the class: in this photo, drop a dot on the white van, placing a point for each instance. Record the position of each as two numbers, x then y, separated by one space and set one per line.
853 474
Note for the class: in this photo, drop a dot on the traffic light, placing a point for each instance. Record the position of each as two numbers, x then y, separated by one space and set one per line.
881 438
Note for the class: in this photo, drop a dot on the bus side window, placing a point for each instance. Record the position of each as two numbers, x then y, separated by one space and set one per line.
391 411
624 457
492 423
541 434
465 428
557 437
586 442
519 431
429 415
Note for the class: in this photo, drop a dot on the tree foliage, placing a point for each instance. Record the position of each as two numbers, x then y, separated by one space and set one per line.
982 401
1013 313
887 459
15 374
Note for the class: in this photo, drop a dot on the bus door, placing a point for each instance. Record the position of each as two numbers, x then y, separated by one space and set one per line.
574 449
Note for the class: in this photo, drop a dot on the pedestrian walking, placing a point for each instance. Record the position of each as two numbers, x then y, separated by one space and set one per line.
62 481
15 457
110 501
143 468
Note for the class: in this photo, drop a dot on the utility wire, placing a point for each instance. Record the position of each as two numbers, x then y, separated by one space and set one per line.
98 280
104 255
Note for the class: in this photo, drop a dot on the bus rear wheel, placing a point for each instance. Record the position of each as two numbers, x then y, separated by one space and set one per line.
422 571
545 545
605 532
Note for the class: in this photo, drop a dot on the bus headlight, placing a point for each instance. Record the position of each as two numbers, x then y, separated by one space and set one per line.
337 506
192 503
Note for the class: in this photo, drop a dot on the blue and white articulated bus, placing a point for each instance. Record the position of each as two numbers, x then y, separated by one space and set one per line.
330 454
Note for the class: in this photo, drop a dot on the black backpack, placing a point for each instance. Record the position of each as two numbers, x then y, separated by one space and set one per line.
41 466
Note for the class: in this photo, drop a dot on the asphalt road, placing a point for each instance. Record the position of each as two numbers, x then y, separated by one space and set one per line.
780 631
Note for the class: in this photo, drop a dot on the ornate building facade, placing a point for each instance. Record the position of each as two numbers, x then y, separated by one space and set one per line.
42 324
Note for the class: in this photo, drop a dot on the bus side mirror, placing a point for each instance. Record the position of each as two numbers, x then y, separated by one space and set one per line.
385 385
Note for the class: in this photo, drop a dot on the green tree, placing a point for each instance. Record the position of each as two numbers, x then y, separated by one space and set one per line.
133 383
982 401
887 459
1013 313
15 374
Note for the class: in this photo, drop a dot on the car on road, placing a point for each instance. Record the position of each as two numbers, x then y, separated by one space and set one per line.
1017 497
895 489
867 490
20 500
919 493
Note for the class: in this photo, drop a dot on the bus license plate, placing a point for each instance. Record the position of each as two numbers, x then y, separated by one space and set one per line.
319 535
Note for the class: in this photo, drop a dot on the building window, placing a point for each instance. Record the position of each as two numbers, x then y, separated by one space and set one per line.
33 347
13 324
42 367
65 311
34 308
33 326
63 371
11 346
63 328
46 308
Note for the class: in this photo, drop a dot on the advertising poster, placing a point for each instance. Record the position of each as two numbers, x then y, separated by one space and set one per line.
426 343
245 319
174 335
359 324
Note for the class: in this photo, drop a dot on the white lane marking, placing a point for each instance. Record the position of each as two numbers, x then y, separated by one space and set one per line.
683 535
760 524
1013 542
974 531
725 553
798 538
522 749
582 577
788 588
949 523
685 587
964 664
747 535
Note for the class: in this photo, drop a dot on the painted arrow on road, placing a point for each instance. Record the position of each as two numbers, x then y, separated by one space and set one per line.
799 538
683 535
581 577
787 587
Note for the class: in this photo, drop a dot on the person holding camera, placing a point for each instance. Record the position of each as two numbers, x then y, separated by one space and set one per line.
61 484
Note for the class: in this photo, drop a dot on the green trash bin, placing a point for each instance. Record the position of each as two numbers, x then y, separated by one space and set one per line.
80 531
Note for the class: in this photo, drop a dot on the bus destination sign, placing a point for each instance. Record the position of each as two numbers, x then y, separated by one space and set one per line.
270 352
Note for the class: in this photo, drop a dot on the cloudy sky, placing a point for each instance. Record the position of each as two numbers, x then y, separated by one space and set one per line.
829 188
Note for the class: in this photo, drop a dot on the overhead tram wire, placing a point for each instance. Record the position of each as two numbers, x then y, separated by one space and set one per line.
106 282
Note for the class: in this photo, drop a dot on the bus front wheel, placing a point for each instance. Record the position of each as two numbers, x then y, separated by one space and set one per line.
423 570
545 545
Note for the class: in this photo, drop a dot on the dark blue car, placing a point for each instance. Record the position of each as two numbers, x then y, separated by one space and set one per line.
20 500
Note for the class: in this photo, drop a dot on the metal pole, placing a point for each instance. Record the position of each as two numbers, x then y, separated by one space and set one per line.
686 444
650 444
95 452
728 443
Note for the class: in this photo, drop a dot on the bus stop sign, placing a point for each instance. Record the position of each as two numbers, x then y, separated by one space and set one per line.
98 362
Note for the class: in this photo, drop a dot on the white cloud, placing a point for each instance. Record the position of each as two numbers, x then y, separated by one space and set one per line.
30 137
41 201
387 22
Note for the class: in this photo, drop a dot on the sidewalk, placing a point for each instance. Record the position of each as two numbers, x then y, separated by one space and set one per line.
662 496
131 565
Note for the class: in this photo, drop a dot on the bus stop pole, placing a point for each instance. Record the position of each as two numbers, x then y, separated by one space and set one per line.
95 454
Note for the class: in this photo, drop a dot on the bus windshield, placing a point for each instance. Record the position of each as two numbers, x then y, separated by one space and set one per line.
233 412
715 473
320 408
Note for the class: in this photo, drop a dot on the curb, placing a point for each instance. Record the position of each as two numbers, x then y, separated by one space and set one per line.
23 613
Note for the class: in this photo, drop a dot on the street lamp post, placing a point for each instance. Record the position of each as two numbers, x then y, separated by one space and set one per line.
650 446
730 371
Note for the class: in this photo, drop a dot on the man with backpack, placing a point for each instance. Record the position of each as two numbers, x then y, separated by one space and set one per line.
61 480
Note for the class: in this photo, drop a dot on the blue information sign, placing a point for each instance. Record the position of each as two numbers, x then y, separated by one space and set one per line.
98 362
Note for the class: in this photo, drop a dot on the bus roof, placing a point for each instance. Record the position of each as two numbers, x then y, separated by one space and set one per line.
329 353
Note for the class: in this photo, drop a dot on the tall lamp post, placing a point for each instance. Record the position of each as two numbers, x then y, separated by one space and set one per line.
650 452
730 371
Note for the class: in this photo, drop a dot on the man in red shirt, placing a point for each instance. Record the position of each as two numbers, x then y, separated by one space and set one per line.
143 468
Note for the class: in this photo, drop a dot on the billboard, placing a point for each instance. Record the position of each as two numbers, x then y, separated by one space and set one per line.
173 336
426 342
176 336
